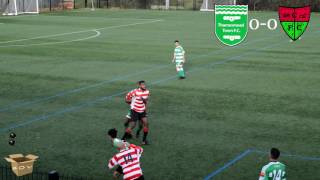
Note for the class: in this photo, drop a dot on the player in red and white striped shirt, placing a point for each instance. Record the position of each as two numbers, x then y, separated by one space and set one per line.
129 159
138 104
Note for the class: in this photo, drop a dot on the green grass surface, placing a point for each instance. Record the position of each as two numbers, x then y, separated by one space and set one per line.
263 93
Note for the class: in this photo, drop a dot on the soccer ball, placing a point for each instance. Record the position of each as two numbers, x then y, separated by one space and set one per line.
13 135
12 142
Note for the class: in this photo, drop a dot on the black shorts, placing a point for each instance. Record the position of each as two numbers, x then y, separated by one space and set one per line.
140 178
119 170
135 116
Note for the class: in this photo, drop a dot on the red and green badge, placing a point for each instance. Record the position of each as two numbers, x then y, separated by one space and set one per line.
294 20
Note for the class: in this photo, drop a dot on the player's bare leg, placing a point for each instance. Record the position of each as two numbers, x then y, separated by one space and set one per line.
145 130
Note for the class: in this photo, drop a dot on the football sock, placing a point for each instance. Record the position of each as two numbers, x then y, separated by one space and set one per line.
126 134
145 133
181 73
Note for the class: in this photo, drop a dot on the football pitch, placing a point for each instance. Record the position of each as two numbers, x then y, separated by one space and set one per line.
64 76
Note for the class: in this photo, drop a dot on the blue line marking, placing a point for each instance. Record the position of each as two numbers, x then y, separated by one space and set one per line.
228 164
60 112
99 99
248 151
308 158
72 91
76 90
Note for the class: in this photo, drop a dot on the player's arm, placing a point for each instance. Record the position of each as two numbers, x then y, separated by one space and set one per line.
174 57
112 162
145 101
139 150
129 97
184 55
262 175
117 173
146 104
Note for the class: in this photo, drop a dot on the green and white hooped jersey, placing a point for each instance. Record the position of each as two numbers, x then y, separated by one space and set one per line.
273 171
179 54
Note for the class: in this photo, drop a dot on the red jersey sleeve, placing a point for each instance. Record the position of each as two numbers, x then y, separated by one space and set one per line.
129 96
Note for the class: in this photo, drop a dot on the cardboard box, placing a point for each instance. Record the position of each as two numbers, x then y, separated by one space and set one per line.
21 165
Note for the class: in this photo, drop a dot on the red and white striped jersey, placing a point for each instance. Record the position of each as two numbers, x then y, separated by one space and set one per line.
137 96
129 160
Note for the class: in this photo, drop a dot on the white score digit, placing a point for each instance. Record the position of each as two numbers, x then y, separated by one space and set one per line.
254 24
275 24
257 24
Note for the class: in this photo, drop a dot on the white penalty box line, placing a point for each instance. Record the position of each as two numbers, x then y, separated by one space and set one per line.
83 31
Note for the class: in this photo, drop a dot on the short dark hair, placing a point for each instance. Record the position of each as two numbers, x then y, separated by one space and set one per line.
275 153
176 41
112 133
141 82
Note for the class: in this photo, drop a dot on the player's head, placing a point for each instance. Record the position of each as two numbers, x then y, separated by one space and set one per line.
112 133
176 42
120 144
274 153
142 84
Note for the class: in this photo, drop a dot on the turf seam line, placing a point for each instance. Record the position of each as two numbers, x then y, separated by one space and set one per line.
228 164
76 90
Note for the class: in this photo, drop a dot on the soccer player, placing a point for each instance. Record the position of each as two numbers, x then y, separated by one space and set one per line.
129 160
112 133
138 99
179 59
274 170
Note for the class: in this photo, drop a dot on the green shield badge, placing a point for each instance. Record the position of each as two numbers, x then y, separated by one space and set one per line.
231 23
294 20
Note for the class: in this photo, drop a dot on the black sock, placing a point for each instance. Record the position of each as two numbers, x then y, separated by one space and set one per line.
125 136
144 136
126 124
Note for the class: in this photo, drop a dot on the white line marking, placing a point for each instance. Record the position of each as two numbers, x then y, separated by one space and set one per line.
51 43
76 32
108 18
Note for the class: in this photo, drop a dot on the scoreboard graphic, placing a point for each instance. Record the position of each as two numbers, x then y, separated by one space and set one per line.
231 22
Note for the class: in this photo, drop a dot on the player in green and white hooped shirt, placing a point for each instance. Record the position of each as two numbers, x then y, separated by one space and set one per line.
274 170
179 59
